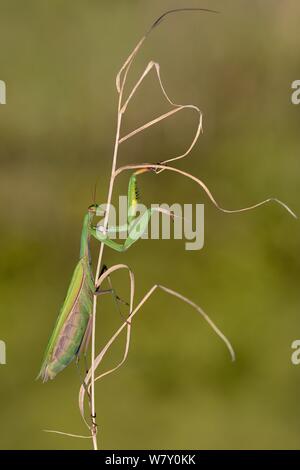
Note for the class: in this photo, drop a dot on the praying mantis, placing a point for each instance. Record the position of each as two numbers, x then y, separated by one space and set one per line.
72 331
75 326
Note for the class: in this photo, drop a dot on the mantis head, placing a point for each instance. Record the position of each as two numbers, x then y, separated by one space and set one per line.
95 209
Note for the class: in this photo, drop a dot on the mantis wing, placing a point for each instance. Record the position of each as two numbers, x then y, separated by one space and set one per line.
71 324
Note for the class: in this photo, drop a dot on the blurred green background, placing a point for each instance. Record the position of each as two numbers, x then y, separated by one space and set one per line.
178 388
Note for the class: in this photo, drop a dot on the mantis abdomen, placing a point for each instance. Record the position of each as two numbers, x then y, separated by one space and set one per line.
72 326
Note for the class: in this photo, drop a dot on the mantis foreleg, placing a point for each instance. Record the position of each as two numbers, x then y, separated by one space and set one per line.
136 226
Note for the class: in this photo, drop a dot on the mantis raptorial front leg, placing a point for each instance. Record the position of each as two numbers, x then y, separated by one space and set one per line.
136 226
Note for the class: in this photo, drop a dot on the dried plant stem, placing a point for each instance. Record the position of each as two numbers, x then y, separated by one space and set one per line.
162 167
